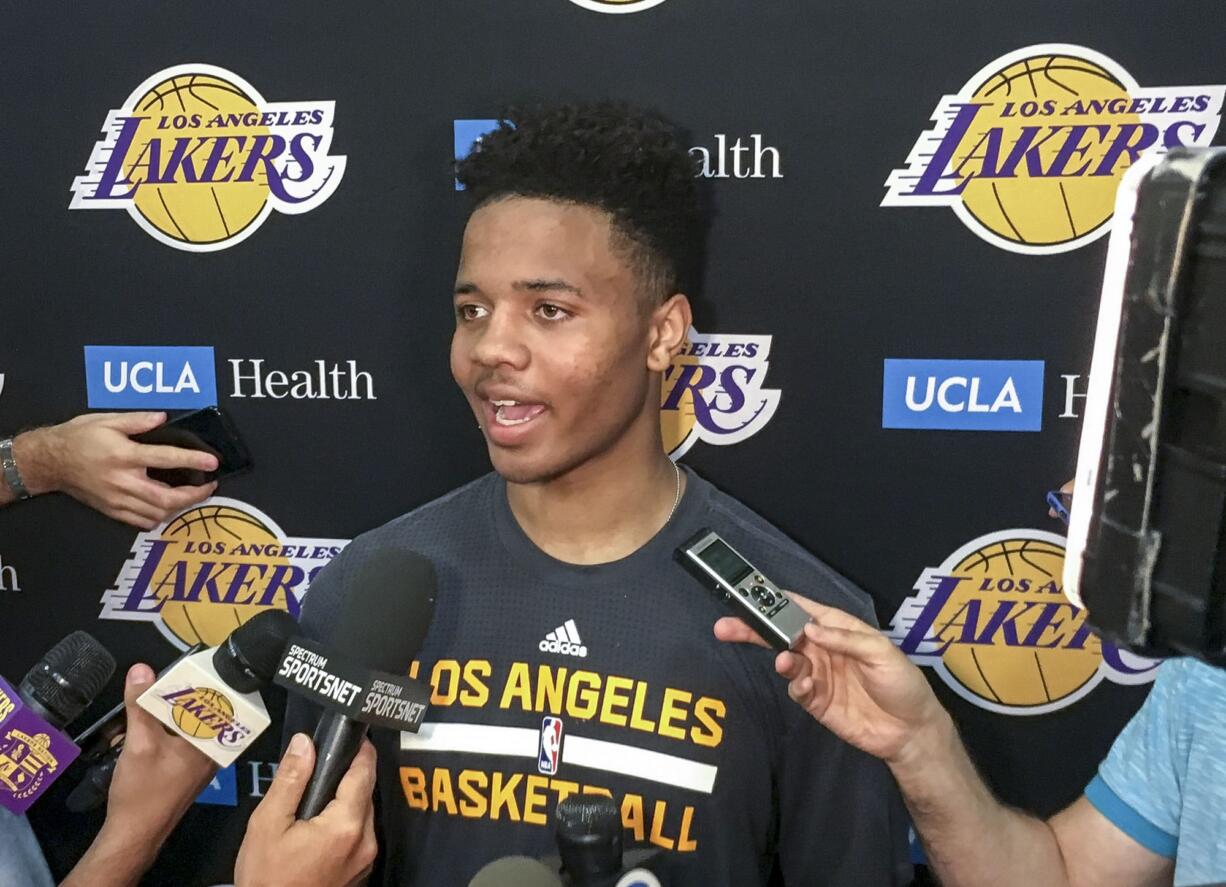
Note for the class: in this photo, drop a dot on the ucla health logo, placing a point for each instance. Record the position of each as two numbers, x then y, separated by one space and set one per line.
199 159
126 377
210 568
992 620
1030 151
713 391
963 395
222 788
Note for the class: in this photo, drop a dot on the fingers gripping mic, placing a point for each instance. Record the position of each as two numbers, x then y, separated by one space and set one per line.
387 614
244 662
53 693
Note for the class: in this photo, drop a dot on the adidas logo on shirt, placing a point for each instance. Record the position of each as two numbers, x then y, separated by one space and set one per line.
565 640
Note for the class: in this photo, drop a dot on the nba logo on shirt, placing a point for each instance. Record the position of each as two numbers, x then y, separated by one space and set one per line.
551 746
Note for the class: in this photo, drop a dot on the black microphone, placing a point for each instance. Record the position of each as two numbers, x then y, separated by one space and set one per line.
589 835
33 751
386 616
67 679
244 662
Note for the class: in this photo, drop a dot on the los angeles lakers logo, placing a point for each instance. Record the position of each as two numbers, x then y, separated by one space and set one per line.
211 568
199 159
1029 153
616 6
714 391
994 623
205 713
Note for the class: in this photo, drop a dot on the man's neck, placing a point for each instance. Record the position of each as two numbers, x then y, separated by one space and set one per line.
601 511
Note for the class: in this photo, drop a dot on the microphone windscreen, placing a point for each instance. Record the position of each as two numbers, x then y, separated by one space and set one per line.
69 677
249 657
516 871
387 610
589 836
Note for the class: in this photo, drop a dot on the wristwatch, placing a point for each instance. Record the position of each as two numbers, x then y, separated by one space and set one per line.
8 464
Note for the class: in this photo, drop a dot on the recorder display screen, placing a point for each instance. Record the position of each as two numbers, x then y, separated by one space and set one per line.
726 562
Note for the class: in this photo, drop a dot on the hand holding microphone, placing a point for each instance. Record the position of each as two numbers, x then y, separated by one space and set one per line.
334 849
157 777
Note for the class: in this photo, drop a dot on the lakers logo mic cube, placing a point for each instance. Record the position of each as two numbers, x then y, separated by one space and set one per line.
202 709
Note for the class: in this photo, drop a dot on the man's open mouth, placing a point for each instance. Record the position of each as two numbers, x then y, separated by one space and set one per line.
513 412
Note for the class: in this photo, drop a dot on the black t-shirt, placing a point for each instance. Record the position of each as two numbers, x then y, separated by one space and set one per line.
551 678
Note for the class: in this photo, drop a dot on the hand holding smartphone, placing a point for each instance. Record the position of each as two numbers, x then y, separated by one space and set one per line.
209 430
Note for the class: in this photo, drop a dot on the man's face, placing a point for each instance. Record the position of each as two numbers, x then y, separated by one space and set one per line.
550 346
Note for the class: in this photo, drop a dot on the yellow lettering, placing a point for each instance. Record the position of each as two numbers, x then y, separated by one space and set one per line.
684 843
518 686
670 711
473 804
413 782
709 732
563 788
477 692
637 721
440 788
581 700
632 815
657 827
503 795
550 685
449 670
614 686
534 799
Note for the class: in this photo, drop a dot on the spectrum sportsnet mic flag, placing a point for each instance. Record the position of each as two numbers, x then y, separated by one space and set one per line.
32 753
363 694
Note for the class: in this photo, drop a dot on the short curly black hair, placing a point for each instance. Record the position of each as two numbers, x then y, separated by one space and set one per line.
627 161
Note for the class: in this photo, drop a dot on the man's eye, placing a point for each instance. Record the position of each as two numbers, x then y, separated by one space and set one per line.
470 312
552 312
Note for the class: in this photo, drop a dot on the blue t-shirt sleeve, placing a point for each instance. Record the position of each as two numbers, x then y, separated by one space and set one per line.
1139 786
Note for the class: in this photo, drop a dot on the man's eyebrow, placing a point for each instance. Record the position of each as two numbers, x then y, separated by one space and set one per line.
466 288
543 285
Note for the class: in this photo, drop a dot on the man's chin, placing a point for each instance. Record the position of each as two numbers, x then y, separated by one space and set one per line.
517 467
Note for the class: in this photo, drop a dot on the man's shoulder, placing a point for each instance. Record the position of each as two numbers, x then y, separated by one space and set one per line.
434 525
435 530
784 559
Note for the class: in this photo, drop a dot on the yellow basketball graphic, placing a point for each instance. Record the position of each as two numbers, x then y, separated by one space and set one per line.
1029 153
1033 209
195 584
216 709
185 210
199 159
1027 674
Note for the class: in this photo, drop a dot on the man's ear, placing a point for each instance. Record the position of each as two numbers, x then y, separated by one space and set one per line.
670 324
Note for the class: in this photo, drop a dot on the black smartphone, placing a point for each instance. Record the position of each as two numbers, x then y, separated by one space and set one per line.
208 430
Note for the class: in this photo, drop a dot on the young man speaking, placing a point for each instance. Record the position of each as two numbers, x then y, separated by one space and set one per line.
569 652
